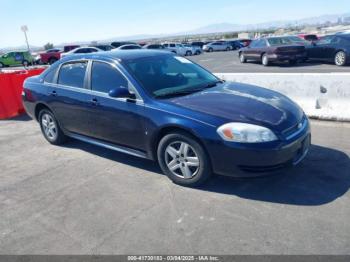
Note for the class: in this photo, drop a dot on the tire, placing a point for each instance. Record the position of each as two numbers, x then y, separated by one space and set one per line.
2 65
198 52
340 58
228 49
265 60
210 50
242 58
25 63
50 128
52 60
191 167
188 53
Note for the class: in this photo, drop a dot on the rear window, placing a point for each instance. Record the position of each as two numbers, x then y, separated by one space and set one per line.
279 41
72 74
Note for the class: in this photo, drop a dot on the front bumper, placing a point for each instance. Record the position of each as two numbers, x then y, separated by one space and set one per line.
258 160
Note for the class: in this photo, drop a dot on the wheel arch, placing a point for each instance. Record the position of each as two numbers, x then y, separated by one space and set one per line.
38 107
168 129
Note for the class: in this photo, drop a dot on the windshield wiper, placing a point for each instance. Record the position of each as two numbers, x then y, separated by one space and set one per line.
187 92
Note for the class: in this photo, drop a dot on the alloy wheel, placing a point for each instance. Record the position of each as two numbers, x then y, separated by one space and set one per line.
182 160
49 127
340 58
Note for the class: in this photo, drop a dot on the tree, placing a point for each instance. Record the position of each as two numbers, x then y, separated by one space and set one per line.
48 46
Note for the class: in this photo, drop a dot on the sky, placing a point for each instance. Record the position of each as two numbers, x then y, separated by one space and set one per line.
65 21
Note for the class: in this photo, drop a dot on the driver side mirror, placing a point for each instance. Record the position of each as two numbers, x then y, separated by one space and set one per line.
121 92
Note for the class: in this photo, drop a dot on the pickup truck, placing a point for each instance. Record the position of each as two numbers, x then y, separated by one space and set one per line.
53 55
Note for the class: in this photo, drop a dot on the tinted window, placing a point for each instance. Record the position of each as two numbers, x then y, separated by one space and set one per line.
105 78
325 40
50 76
72 74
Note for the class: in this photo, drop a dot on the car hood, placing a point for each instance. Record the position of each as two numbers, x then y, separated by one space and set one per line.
235 102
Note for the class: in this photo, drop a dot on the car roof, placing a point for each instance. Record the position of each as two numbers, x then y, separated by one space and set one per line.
120 55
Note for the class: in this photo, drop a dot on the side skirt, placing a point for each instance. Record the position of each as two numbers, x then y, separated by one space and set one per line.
110 146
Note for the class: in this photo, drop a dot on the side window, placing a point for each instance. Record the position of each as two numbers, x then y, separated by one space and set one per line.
172 45
254 43
72 74
50 76
104 78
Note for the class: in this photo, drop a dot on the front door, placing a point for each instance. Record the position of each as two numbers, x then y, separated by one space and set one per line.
114 120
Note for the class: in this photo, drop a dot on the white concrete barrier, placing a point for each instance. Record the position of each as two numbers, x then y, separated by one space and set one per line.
322 96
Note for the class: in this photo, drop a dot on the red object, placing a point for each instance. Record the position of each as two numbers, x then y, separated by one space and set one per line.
11 86
51 57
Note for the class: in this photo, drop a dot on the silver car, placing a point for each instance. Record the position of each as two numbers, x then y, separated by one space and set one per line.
217 46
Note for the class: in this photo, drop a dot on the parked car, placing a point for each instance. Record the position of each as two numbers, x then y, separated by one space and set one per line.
235 44
194 50
54 54
245 42
160 106
104 47
129 47
82 50
118 44
177 48
198 43
153 46
217 46
16 58
331 48
273 49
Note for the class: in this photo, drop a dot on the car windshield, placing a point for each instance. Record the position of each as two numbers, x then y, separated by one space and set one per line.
274 41
168 75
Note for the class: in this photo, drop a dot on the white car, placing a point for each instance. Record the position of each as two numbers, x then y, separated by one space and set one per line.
178 49
82 50
195 50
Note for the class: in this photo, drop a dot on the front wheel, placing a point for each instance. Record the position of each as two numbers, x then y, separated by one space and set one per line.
183 160
188 53
340 58
25 63
50 128
211 50
1 65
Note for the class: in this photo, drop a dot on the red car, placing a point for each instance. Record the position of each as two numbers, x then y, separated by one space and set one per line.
309 37
53 55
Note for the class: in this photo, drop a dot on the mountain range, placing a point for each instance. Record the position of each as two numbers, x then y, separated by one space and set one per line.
222 28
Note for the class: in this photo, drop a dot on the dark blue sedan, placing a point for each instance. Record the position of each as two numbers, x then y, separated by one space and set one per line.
159 106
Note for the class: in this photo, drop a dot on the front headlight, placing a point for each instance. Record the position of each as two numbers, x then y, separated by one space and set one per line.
246 133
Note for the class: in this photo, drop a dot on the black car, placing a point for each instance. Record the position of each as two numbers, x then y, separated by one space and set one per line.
198 43
119 44
104 47
331 48
153 46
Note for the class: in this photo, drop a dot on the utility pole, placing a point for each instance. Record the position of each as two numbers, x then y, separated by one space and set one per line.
24 29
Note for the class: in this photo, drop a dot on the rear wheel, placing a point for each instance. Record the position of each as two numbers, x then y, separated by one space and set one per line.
228 49
188 53
183 159
50 128
265 60
1 65
340 58
25 63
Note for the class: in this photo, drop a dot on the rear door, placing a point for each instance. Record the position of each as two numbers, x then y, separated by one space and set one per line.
320 50
71 100
115 120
